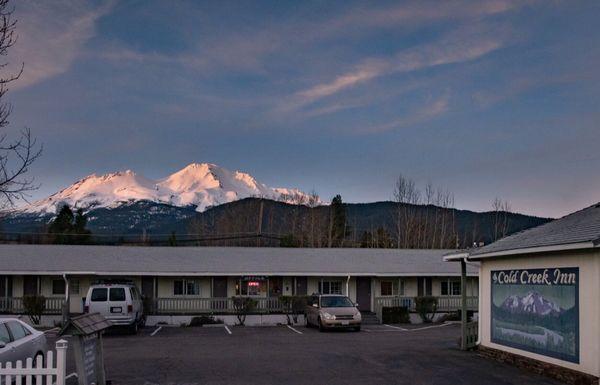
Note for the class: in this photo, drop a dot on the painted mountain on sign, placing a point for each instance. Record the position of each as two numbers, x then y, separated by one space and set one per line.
531 303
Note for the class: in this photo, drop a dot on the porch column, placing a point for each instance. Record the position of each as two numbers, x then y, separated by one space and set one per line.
463 312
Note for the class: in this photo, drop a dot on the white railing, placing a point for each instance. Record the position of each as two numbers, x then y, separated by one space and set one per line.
194 305
39 374
444 303
455 303
14 305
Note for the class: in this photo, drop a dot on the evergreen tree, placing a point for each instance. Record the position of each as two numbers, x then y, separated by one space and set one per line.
338 227
172 239
68 228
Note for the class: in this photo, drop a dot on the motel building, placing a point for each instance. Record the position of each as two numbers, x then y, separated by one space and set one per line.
179 283
540 297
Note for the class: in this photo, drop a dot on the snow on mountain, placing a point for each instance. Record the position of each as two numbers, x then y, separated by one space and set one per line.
532 302
200 184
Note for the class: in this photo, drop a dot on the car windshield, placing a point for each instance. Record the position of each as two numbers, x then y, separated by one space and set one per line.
336 302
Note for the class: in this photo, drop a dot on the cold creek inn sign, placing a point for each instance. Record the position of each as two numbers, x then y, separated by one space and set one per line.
537 310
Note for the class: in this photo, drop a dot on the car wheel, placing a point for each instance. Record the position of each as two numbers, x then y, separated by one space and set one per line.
357 329
321 327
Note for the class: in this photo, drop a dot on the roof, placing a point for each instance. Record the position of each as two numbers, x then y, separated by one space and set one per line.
211 261
579 230
86 324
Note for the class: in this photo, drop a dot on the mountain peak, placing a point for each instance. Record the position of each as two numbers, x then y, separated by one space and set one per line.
199 184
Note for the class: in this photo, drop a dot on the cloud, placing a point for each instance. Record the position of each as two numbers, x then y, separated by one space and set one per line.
51 36
459 46
430 110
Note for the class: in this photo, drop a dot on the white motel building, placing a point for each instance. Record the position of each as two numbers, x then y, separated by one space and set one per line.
539 297
181 282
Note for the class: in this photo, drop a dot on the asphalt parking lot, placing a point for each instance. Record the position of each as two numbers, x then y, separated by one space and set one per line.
378 354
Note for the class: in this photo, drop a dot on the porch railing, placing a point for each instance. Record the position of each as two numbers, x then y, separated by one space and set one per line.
194 305
445 303
14 305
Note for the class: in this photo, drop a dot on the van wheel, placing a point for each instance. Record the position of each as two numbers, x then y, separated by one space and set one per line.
357 329
321 327
133 328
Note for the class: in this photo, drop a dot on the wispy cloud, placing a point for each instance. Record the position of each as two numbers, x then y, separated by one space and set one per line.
429 110
459 46
51 35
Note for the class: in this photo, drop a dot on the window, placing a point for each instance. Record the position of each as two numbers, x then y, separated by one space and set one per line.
99 295
336 302
117 294
134 293
74 286
4 336
58 287
330 287
17 330
251 287
450 287
389 288
392 287
186 287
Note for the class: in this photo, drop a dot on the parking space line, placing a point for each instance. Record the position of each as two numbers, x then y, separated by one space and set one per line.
430 327
291 328
71 375
395 327
155 331
227 329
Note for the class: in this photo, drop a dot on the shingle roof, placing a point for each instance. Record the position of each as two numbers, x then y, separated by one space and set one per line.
579 228
130 260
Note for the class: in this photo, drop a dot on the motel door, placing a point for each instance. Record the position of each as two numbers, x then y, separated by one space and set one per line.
363 293
220 287
301 286
30 285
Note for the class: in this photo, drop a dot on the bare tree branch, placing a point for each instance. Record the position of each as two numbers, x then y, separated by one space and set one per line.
16 154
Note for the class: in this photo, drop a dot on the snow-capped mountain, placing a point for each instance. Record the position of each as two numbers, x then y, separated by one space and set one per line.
199 184
532 302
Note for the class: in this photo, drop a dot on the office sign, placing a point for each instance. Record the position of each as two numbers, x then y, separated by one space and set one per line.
537 310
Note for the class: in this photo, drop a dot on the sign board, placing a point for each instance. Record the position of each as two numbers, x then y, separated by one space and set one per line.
537 310
87 330
254 278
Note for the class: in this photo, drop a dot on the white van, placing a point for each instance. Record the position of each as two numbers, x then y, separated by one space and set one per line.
121 303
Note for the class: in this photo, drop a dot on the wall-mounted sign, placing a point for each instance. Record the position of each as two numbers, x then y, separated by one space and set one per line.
254 278
537 310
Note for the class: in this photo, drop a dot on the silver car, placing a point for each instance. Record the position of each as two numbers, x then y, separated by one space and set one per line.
332 311
19 341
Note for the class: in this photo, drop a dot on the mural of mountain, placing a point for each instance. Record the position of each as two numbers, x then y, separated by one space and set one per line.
533 302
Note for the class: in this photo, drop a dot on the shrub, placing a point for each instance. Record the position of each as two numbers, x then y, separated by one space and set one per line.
293 306
34 306
242 306
204 320
426 308
395 315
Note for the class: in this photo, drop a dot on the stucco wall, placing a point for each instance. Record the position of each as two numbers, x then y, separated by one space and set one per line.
589 303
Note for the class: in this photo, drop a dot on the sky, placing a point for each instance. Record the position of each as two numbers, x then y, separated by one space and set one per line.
490 98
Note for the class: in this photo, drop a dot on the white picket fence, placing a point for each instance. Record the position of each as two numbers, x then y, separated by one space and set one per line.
47 374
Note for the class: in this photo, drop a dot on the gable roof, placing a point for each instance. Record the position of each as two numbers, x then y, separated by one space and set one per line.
579 230
213 261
